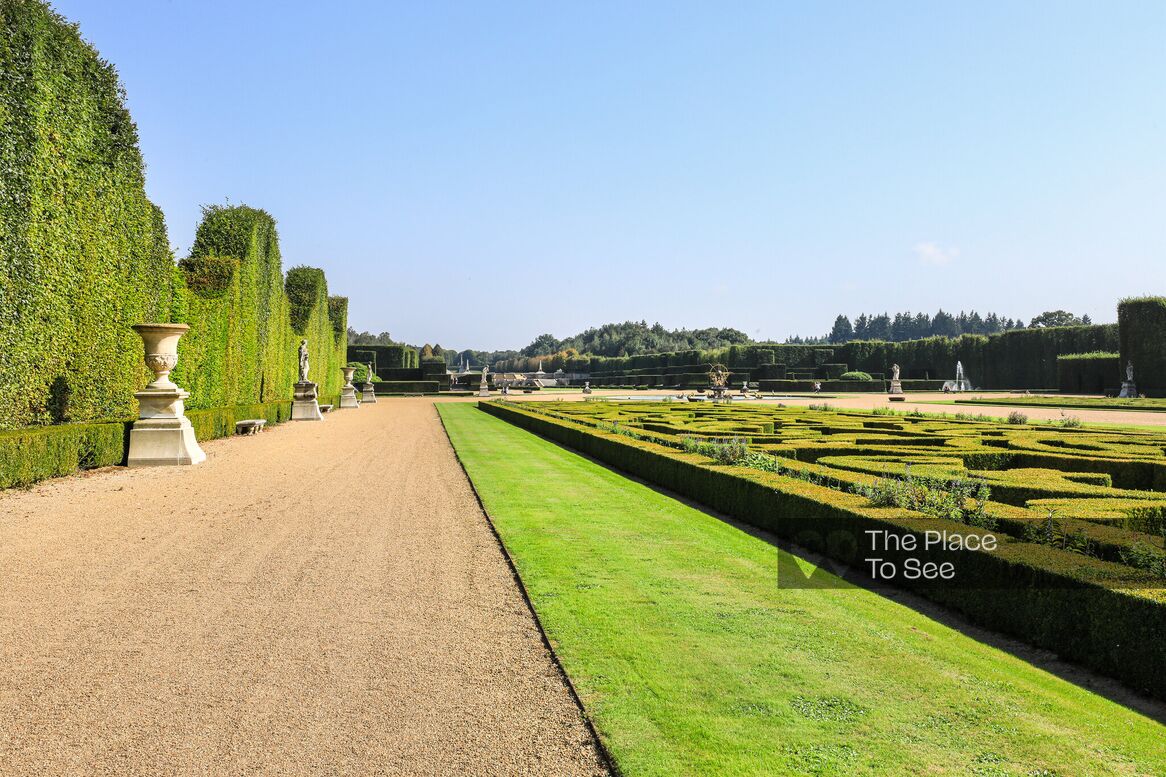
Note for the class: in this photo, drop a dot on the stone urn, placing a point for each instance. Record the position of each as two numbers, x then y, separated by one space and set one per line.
162 435
348 391
161 343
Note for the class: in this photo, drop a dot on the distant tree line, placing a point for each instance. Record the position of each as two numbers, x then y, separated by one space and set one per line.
916 326
632 338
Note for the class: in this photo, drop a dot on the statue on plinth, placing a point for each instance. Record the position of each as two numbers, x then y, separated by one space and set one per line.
896 386
586 387
484 387
305 404
368 394
1129 389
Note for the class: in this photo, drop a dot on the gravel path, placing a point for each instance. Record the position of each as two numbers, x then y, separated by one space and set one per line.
319 599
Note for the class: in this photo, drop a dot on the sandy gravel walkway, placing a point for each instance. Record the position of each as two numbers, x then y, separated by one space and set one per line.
319 599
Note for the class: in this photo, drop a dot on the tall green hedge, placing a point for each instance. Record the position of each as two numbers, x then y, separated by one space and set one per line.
84 256
1088 373
246 319
1143 341
83 253
1011 360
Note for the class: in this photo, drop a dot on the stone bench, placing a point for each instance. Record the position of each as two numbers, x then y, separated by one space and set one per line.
250 426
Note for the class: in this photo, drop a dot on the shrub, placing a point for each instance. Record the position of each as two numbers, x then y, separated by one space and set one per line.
1143 332
1017 418
855 375
29 455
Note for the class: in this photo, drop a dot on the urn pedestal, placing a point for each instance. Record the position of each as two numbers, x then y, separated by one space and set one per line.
348 391
368 394
305 406
896 387
162 436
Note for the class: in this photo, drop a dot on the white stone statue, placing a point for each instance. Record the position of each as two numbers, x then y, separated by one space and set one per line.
370 373
303 361
894 372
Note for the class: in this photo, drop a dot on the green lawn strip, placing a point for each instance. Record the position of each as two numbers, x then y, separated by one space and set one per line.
691 660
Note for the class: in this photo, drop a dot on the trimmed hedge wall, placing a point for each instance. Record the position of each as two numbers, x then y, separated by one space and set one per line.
406 387
388 357
83 253
245 328
1020 359
1088 373
1031 591
1143 341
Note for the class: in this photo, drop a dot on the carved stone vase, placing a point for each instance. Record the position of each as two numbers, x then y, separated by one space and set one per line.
162 436
348 391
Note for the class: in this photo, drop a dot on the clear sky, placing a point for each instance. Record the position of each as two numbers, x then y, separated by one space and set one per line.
476 173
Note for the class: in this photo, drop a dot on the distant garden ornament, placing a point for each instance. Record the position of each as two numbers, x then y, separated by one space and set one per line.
484 387
1128 388
961 382
162 435
368 394
305 403
719 381
896 385
586 387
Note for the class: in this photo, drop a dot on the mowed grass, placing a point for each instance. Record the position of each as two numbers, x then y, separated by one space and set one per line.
691 659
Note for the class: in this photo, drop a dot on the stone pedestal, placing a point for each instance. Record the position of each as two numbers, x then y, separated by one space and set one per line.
163 435
306 407
1128 389
348 391
896 387
368 394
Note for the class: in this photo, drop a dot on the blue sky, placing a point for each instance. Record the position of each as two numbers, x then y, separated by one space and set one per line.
477 173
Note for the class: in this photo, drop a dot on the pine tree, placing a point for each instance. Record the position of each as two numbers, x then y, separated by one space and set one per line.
842 332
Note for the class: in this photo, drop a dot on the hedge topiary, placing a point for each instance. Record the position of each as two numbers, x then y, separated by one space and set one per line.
242 345
1143 341
855 375
1088 373
83 253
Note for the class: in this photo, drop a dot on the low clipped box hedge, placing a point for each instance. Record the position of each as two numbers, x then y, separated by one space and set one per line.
37 453
29 455
855 375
